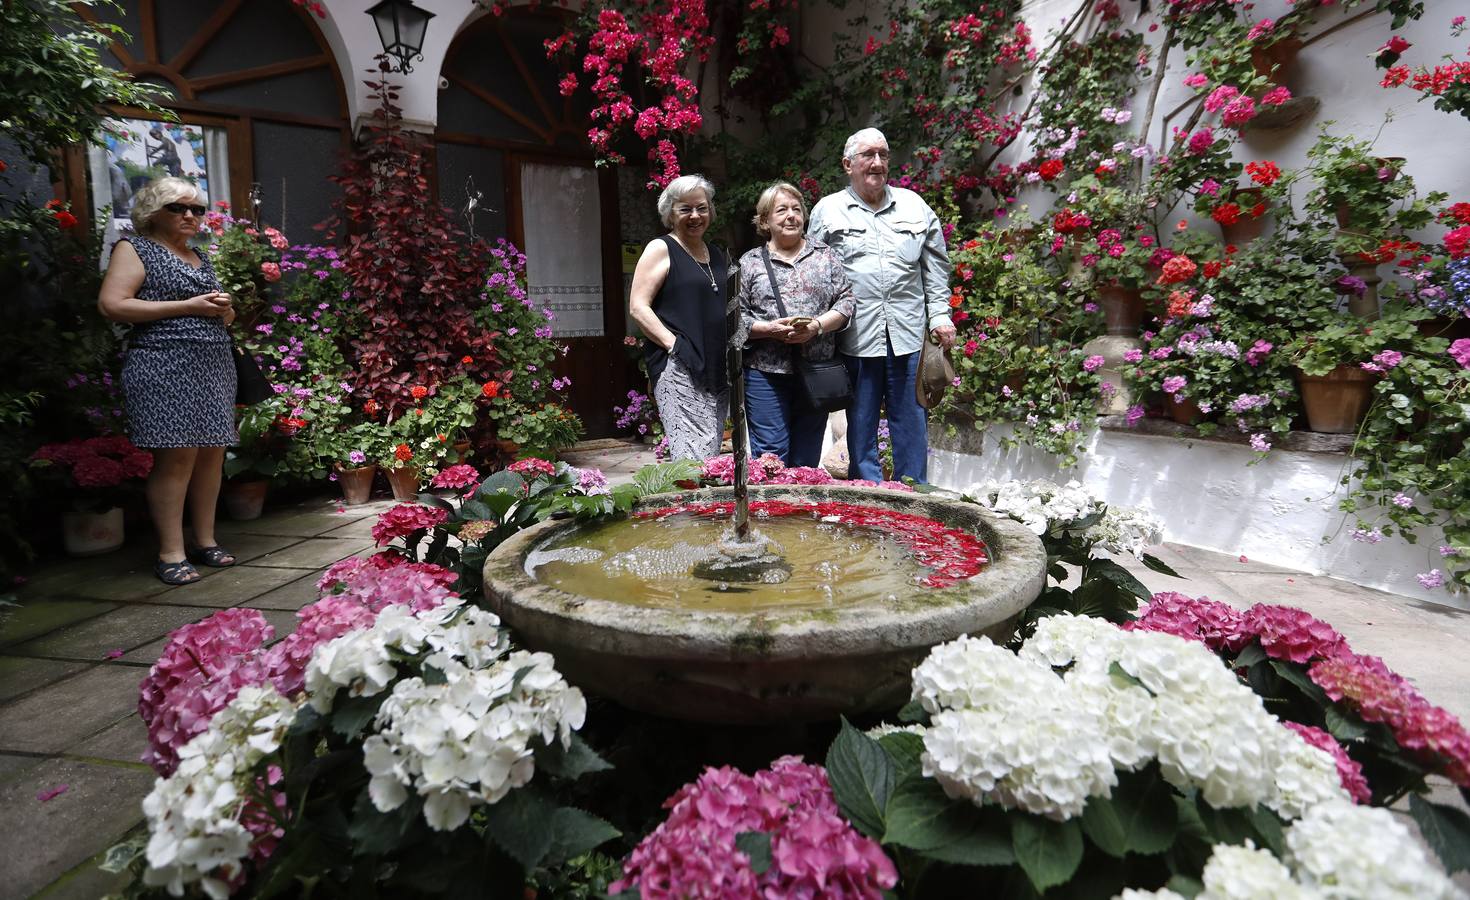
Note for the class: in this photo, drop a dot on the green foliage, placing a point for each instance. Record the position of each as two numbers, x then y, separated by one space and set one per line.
53 81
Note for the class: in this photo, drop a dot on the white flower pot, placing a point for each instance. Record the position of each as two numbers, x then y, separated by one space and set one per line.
92 533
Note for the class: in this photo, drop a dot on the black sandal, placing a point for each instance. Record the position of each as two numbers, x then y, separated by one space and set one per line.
181 572
215 557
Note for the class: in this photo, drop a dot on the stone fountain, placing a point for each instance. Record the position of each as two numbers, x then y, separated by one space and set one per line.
792 613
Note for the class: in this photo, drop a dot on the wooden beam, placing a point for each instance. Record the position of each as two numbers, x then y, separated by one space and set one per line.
205 34
526 76
148 24
123 56
501 107
258 73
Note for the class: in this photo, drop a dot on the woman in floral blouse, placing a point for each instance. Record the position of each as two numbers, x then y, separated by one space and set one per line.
819 303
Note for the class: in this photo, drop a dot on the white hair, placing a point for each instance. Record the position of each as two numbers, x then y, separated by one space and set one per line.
157 194
859 137
680 188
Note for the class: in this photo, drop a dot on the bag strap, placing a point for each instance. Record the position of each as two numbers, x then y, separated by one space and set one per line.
796 352
771 274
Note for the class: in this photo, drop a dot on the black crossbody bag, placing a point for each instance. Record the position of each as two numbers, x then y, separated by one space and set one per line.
825 383
251 386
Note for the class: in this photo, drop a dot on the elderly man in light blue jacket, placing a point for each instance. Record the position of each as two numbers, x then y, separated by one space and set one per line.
892 246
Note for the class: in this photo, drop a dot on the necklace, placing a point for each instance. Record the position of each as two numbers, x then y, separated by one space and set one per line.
707 268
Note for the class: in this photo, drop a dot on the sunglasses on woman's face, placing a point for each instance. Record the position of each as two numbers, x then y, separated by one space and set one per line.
179 209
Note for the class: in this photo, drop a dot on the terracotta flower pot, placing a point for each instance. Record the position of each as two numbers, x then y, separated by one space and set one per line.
1273 60
1335 402
1246 228
357 483
1185 412
92 533
463 450
1122 308
244 500
404 481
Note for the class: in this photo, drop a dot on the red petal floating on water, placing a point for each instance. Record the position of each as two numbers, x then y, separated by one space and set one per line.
952 553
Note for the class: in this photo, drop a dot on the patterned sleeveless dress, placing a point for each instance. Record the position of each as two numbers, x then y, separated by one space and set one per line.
179 376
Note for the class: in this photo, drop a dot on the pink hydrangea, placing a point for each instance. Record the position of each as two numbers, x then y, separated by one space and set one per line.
1349 771
814 851
532 468
325 620
1460 351
1216 625
1291 634
460 476
404 519
199 672
1378 694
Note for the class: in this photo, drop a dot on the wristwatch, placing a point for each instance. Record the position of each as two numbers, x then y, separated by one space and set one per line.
820 329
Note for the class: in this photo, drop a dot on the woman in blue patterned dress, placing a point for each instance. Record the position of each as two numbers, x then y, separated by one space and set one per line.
179 376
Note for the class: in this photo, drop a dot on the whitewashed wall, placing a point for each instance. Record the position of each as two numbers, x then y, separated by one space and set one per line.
1282 510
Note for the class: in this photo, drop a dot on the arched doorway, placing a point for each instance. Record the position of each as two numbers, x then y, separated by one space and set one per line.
507 133
254 84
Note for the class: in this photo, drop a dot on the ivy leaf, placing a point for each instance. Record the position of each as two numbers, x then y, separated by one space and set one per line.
1446 829
1048 852
757 846
1140 817
862 777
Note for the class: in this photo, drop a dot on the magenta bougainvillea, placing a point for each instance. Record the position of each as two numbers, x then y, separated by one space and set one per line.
814 851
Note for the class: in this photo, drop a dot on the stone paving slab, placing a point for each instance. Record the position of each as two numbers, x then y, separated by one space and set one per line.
248 547
86 882
229 587
123 629
56 581
122 741
314 553
139 583
20 674
41 615
13 764
301 524
45 840
58 716
292 596
362 528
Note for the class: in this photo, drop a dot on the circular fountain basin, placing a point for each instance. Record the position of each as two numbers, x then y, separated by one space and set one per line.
802 661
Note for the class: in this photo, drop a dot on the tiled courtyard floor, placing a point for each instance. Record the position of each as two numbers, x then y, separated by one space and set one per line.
72 655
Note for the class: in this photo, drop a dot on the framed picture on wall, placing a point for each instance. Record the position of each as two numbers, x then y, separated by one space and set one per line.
135 151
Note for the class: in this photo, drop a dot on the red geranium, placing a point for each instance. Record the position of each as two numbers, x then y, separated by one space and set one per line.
1458 212
490 389
1067 222
1178 268
402 453
1212 268
1226 213
1050 169
466 360
1263 173
1457 242
418 392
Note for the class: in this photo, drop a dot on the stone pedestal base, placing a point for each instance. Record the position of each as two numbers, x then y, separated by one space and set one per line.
1111 348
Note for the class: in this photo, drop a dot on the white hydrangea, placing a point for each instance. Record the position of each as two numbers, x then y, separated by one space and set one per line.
1126 529
1047 761
1062 639
1036 504
195 836
1126 712
1347 851
363 661
1160 894
467 741
973 673
882 729
1246 873
1305 776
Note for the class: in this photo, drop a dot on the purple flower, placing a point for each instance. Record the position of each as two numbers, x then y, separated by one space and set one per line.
1134 414
357 457
1432 579
1371 536
1260 444
1133 356
1174 384
264 328
1092 363
1351 284
1447 550
1402 501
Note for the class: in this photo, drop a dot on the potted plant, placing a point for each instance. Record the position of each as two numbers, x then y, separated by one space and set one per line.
1368 195
96 475
246 260
1338 363
542 431
265 432
353 452
1119 266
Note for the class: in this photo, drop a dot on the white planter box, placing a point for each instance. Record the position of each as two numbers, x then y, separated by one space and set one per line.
1283 510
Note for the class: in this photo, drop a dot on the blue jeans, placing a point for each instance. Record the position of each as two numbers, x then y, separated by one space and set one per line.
780 421
879 383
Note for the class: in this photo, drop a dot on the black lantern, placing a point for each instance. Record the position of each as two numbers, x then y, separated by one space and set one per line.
401 27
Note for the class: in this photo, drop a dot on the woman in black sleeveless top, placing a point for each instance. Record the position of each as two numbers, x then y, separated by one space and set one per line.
179 377
678 299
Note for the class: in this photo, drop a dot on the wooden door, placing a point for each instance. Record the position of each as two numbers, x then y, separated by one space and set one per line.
563 217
